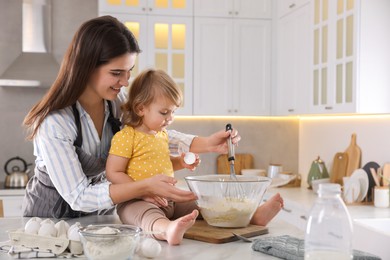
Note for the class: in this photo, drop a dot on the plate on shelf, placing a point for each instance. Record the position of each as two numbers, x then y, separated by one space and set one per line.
280 181
361 177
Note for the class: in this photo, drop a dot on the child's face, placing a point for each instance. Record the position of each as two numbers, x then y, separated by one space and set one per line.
159 114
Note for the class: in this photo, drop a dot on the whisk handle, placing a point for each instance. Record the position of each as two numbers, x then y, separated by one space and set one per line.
230 145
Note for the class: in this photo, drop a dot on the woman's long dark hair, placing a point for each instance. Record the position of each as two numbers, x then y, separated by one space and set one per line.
96 42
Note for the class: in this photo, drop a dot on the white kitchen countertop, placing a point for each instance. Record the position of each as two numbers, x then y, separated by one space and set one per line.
191 249
188 249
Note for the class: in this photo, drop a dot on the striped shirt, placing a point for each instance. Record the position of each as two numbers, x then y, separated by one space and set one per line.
53 148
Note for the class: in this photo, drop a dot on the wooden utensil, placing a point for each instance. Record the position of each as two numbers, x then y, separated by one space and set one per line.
354 156
371 181
339 169
386 174
241 161
204 232
375 176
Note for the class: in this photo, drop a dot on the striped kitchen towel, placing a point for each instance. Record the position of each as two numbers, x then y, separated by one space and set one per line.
292 248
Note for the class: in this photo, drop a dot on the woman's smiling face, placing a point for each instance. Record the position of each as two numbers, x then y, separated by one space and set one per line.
108 79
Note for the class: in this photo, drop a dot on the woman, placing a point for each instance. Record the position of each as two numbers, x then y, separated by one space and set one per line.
72 127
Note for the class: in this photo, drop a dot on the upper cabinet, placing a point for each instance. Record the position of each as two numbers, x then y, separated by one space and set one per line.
156 7
351 57
232 57
293 62
233 8
165 40
287 6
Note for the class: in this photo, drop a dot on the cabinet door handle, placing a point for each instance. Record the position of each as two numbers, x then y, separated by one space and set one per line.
150 9
328 108
287 210
303 217
143 9
290 110
230 12
292 5
236 13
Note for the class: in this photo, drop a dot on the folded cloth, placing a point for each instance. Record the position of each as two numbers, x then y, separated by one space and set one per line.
22 252
292 248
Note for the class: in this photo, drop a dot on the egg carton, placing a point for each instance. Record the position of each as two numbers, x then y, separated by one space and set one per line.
56 245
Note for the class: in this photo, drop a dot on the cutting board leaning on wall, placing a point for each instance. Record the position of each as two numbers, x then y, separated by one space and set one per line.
354 156
242 161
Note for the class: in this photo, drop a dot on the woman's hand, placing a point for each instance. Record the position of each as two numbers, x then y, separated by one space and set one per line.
216 142
164 186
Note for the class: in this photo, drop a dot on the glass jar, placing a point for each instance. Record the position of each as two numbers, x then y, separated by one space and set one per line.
329 228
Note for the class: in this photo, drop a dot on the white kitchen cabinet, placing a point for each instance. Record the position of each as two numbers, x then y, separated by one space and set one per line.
287 6
232 66
166 43
233 8
156 7
293 62
351 57
12 202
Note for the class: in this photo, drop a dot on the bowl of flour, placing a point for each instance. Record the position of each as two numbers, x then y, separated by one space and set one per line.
111 241
227 202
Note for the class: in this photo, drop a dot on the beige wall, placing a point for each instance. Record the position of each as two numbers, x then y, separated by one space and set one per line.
16 102
269 140
325 136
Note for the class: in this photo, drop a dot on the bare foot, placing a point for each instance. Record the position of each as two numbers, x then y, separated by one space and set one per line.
267 211
174 230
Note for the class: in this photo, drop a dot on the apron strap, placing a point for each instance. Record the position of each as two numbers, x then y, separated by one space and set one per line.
114 122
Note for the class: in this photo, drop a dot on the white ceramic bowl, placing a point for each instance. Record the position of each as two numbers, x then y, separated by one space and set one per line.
225 202
111 241
254 172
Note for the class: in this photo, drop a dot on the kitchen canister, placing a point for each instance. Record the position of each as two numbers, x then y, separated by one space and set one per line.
274 170
381 197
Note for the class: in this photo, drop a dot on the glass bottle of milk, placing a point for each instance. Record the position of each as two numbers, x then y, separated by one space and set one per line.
329 227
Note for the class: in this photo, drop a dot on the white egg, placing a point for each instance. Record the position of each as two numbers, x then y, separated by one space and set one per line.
32 227
62 228
189 158
47 229
47 221
150 248
73 232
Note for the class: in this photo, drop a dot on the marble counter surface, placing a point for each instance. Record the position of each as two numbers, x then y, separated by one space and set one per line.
189 249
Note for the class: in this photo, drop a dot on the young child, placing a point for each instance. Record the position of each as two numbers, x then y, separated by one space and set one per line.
140 150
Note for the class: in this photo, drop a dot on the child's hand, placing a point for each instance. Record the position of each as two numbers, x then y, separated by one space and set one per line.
156 200
190 161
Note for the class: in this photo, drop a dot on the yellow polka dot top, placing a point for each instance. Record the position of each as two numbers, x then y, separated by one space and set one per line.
148 154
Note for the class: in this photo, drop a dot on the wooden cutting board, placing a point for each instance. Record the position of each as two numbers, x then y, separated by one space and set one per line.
354 156
202 231
386 174
339 169
242 161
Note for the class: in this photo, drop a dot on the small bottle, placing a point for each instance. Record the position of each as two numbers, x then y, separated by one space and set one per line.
329 226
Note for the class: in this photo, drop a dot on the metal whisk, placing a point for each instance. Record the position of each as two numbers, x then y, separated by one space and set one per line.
236 191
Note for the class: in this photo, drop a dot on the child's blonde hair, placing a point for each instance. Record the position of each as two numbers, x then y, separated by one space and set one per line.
144 89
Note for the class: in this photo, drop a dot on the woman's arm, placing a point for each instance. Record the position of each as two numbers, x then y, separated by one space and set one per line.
216 142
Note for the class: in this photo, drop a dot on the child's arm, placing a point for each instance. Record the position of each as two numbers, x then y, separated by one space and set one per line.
116 169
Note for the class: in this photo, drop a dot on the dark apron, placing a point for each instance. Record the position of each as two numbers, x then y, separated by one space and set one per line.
93 168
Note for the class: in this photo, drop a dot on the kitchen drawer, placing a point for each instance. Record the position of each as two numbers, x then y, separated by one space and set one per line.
12 206
287 6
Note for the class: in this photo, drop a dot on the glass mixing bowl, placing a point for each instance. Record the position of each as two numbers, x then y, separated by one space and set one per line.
111 241
225 202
